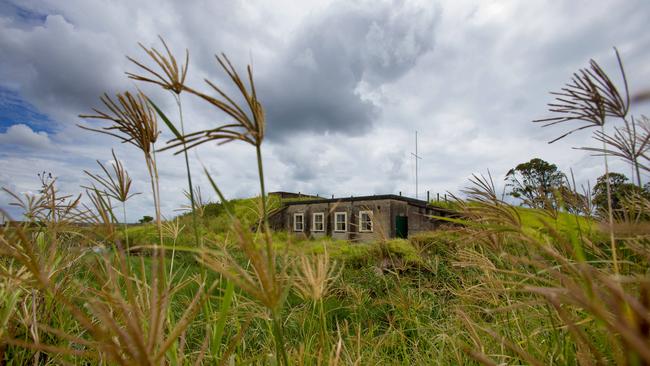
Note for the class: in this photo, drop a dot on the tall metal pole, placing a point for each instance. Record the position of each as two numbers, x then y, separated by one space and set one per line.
416 156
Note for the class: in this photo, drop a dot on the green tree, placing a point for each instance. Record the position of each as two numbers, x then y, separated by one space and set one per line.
534 182
146 219
620 189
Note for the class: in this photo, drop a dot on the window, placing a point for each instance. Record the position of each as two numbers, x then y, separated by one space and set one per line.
341 221
298 222
318 223
365 221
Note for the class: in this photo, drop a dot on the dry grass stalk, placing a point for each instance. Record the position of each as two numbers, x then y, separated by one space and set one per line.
626 143
248 127
116 314
173 80
550 267
101 214
48 206
484 207
199 202
132 120
172 229
116 184
264 284
315 275
173 75
590 97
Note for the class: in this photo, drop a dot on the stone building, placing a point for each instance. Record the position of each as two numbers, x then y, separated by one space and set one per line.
356 218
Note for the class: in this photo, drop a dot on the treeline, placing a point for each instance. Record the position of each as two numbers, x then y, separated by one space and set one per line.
540 184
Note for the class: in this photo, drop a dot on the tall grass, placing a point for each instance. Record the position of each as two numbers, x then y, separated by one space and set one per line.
499 285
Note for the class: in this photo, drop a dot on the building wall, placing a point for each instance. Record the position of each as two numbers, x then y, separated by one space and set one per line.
385 212
420 220
381 211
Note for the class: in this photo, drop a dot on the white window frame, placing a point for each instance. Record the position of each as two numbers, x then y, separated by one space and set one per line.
370 215
302 221
336 221
313 221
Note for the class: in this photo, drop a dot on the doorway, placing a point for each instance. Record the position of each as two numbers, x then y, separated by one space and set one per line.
402 227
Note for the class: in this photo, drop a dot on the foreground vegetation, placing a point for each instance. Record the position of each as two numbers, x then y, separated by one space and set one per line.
425 300
559 283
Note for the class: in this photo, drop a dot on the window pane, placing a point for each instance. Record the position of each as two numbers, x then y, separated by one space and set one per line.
340 219
319 220
298 222
365 221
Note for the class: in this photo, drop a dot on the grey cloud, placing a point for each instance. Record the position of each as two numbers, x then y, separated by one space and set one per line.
315 84
302 163
326 166
348 70
61 69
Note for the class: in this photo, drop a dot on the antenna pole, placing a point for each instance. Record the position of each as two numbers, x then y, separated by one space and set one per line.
416 156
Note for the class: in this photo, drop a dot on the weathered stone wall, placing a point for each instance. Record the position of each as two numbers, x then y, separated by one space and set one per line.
385 212
420 220
380 211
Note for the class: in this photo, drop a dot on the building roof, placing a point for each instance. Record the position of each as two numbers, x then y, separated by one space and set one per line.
380 197
291 194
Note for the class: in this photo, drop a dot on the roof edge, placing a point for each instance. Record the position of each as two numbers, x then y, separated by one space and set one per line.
379 197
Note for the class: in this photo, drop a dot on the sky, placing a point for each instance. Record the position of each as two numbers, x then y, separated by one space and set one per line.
344 84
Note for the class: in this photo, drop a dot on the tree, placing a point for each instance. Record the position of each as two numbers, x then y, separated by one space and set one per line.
620 189
534 182
146 219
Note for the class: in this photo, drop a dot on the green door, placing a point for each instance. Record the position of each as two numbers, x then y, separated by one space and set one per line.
402 227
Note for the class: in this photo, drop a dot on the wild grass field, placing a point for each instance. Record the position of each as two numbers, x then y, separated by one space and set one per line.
557 282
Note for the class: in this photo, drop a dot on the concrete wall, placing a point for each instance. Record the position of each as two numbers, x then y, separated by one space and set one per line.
380 211
420 220
385 212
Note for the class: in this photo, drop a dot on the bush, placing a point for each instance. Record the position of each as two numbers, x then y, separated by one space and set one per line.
442 242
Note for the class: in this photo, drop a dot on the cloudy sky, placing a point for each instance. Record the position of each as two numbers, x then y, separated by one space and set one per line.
345 85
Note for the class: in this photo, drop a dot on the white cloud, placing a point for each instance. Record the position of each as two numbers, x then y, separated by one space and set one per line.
22 136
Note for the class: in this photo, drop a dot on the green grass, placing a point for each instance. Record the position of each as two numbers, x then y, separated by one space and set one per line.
535 219
394 302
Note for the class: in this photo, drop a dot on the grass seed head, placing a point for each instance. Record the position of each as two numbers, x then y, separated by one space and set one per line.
132 120
248 126
315 275
589 97
116 184
171 77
